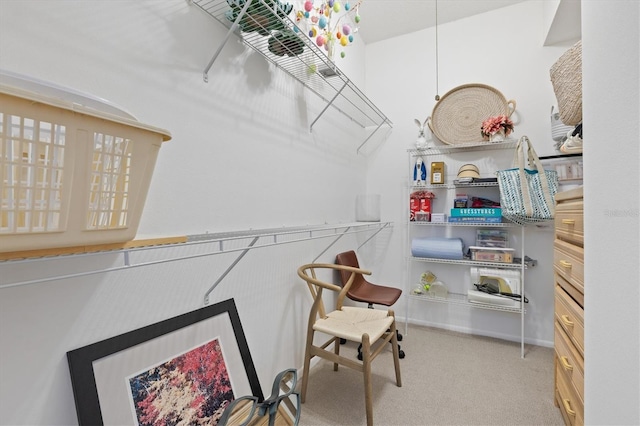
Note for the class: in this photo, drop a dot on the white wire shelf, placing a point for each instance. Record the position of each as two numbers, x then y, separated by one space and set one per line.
469 262
197 246
475 146
312 67
471 224
462 299
454 185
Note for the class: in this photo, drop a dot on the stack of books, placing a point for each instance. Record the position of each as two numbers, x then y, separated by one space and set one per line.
476 215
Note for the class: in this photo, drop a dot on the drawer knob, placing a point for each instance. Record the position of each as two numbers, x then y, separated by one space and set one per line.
565 264
567 321
565 363
567 407
568 222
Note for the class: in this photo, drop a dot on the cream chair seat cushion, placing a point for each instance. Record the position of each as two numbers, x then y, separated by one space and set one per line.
351 323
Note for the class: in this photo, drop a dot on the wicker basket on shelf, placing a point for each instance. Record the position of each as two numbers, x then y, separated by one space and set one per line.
566 78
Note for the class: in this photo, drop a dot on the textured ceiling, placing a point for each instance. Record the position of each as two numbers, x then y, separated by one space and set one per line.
383 19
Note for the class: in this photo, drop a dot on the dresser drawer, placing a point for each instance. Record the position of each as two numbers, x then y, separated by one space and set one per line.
570 407
570 316
568 265
570 361
569 221
568 262
576 295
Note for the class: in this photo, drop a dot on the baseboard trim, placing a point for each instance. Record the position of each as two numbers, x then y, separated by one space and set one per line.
475 332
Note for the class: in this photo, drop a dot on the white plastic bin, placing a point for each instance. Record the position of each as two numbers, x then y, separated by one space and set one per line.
74 169
368 208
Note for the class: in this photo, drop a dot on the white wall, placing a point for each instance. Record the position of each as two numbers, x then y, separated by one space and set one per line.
503 49
236 140
405 89
39 323
241 157
242 138
611 61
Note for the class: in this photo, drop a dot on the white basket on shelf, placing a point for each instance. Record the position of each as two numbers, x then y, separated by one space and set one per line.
74 169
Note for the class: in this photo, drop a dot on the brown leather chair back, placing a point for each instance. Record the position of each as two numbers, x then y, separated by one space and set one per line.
349 258
363 290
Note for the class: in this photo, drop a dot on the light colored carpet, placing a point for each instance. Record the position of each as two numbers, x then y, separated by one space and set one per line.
448 378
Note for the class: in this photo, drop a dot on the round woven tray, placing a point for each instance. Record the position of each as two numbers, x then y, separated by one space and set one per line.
458 115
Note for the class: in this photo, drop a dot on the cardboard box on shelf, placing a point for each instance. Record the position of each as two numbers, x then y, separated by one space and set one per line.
492 254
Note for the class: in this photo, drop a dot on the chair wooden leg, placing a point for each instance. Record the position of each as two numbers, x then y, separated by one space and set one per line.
396 353
336 350
366 370
307 364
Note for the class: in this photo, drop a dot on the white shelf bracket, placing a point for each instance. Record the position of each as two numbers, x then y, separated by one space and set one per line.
233 28
328 105
331 244
374 234
369 137
225 273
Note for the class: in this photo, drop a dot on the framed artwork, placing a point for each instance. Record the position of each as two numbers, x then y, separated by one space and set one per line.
183 370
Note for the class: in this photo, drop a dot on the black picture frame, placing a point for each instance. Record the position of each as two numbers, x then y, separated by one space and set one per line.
95 368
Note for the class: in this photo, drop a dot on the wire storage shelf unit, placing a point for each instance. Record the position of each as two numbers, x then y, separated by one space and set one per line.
300 57
454 157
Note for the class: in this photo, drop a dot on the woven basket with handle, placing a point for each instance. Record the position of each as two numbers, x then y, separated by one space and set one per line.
566 78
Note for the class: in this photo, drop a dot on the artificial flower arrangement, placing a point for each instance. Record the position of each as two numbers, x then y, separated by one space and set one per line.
325 25
493 125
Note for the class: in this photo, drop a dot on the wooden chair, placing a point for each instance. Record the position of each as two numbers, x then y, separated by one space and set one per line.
365 291
373 328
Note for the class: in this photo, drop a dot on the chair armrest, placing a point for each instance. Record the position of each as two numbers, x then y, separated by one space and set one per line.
308 273
312 278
